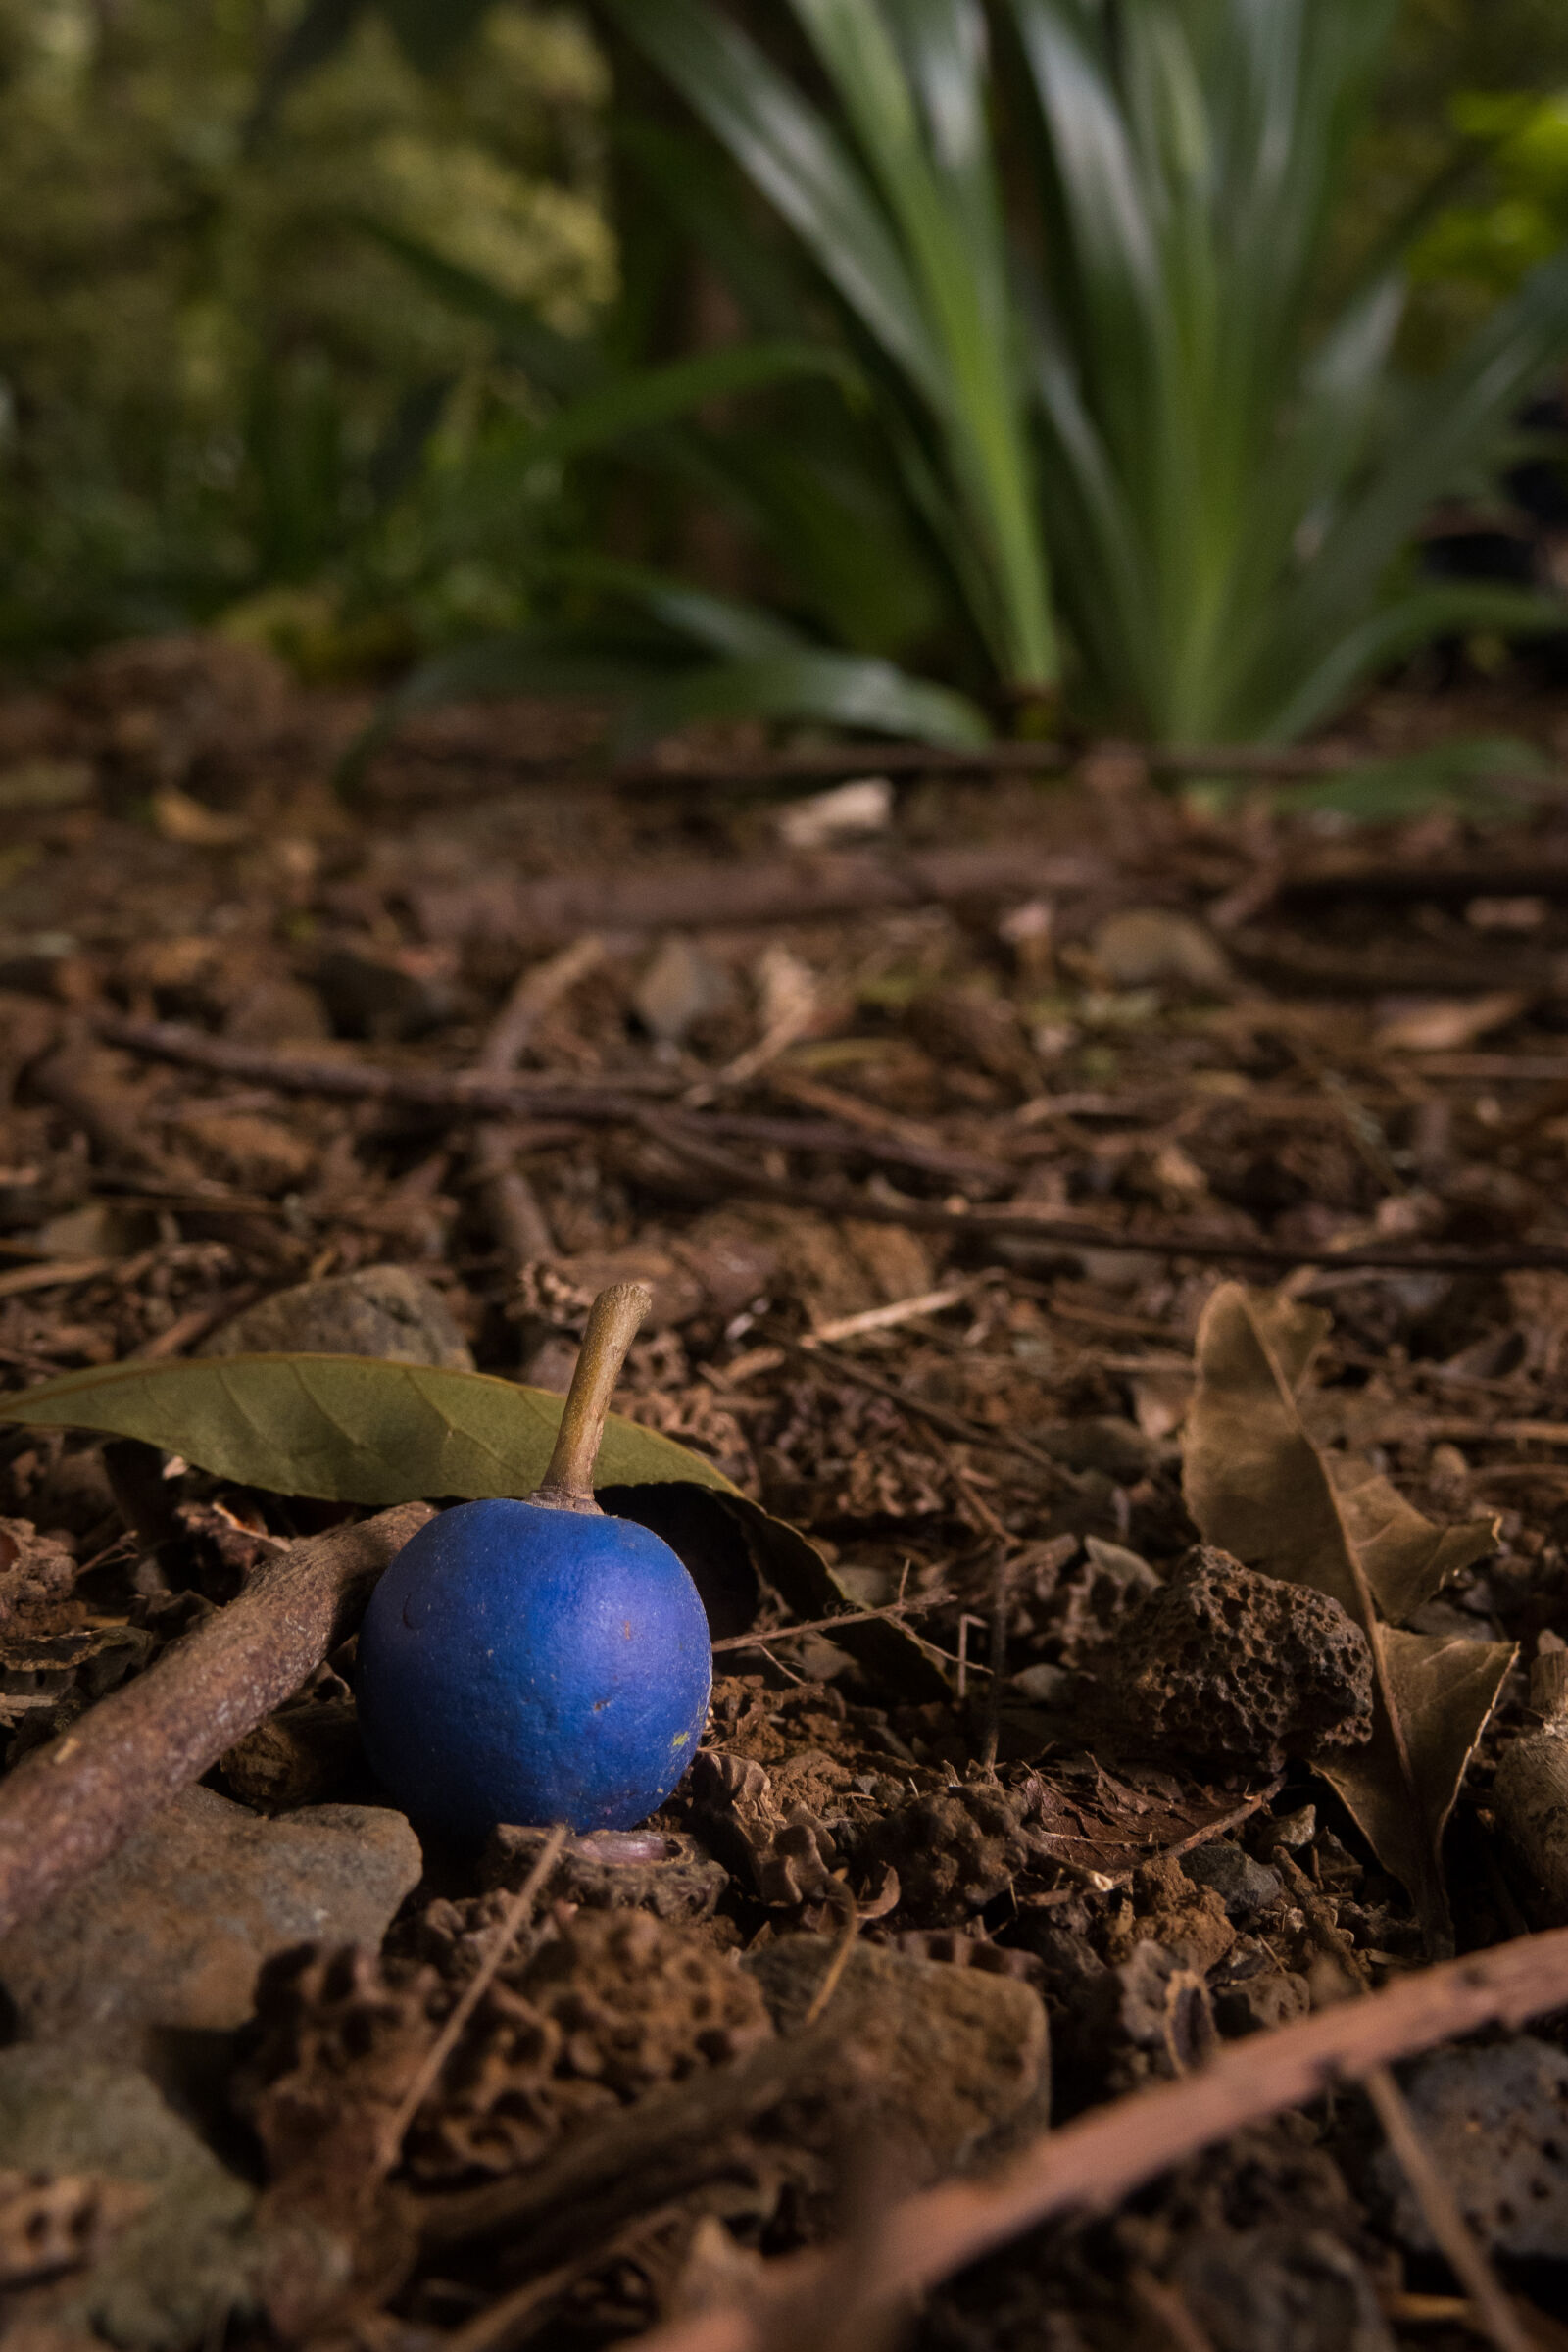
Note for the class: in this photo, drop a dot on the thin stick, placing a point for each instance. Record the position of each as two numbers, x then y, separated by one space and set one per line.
849 1912
536 991
1492 2313
1094 2162
980 1225
1169 2307
890 1613
510 1201
1165 1853
887 1319
1000 1601
822 1359
814 763
510 1924
614 1322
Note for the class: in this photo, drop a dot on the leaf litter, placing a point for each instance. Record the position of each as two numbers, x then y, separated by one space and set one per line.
1258 1486
1108 1547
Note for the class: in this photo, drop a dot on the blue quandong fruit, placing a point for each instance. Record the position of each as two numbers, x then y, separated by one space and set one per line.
538 1661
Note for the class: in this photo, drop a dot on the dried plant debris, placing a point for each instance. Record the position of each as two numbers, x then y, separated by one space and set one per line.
938 1176
1256 1483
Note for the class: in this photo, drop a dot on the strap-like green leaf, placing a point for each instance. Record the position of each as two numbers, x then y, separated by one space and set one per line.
788 151
844 690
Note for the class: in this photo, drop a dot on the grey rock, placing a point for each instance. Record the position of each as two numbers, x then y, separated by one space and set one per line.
172 2275
1244 1884
1293 2290
1495 2121
385 1312
947 2058
173 1930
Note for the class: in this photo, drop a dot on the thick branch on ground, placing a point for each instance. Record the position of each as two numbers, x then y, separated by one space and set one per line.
66 1808
777 890
1284 762
1091 2165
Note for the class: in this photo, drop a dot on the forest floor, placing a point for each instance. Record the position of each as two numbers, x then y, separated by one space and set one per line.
1035 1182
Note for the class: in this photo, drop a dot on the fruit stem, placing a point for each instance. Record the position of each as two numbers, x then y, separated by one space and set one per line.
614 1321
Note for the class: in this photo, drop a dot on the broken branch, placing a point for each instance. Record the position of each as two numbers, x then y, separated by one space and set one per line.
68 1806
1092 2164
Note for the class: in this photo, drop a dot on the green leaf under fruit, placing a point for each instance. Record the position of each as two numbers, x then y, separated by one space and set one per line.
355 1429
347 1428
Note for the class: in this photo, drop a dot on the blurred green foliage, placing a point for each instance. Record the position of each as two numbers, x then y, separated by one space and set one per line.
211 384
311 321
1474 110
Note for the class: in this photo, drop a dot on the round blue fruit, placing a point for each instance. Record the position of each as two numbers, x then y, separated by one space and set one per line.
531 1665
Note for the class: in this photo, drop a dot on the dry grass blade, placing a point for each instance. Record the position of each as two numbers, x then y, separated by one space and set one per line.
848 1909
513 1921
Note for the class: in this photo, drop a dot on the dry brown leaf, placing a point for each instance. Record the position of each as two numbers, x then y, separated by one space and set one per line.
1406 1558
1442 1688
1258 1486
1445 1024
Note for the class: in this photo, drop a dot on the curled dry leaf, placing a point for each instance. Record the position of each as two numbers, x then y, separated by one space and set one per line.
1258 1486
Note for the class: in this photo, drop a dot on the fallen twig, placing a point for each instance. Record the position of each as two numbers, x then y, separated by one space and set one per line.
824 1360
1055 1232
1092 2164
776 890
510 1206
66 1808
1279 762
464 1094
489 1095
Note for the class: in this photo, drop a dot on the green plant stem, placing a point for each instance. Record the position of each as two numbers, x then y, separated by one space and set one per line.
614 1322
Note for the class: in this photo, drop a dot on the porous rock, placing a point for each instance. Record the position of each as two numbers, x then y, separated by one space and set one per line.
37 1578
173 1930
948 2057
1223 1661
1495 2121
591 2016
385 1312
170 2274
